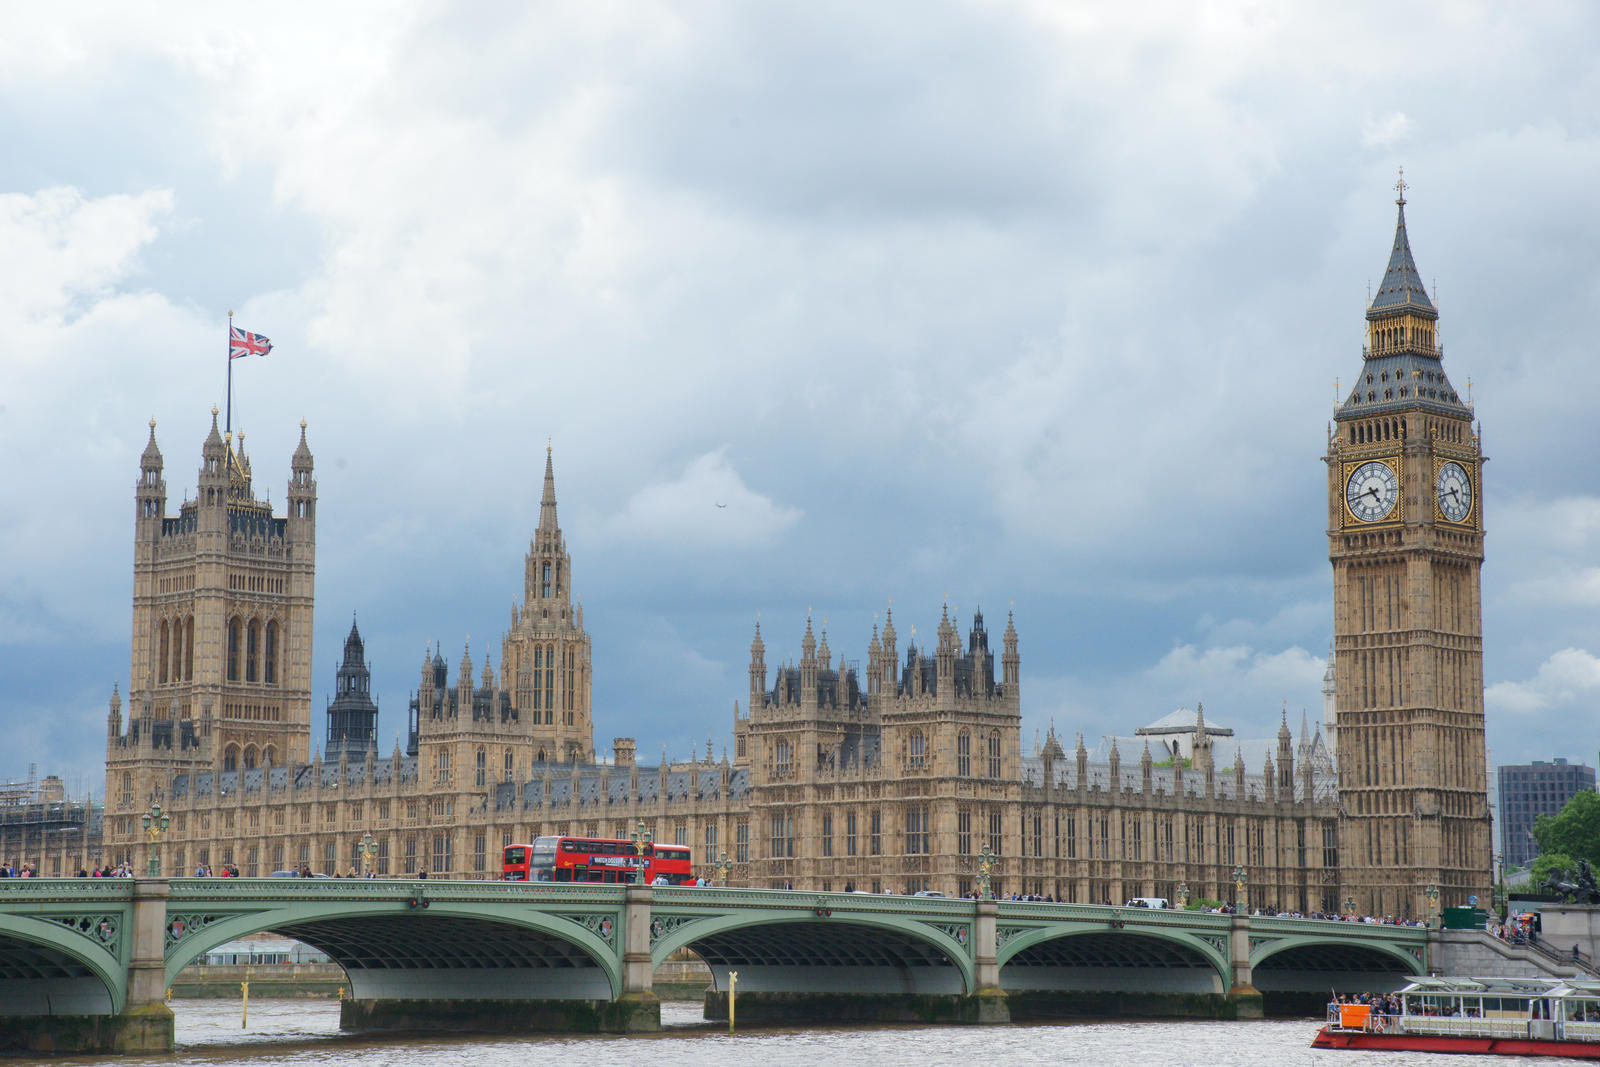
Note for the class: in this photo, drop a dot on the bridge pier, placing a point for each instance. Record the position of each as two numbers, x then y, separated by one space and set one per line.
638 1009
987 1004
1241 993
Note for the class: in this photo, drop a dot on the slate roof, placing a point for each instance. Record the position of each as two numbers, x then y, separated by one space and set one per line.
1401 289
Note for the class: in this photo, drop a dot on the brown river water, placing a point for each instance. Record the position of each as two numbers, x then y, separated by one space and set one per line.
307 1031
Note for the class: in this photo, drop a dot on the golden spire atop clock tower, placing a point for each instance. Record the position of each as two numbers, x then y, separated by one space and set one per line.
1405 537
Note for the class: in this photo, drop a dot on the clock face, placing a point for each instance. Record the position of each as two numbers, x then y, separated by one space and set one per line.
1372 491
1454 489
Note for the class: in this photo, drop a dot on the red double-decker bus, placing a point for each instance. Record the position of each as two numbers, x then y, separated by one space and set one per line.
595 859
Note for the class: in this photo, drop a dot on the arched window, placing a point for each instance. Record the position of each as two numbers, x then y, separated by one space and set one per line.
252 650
916 750
270 664
511 764
230 758
538 692
994 756
250 757
233 649
549 681
166 650
269 756
546 583
780 759
964 754
482 768
541 756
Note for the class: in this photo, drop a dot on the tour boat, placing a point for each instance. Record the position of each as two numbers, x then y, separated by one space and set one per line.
1497 1016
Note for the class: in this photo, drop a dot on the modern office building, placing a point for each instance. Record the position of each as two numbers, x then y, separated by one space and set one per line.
1529 790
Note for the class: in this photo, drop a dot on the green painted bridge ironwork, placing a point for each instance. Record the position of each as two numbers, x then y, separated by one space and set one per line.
73 948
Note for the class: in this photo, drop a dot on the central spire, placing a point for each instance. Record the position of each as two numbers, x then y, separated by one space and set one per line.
1402 288
547 503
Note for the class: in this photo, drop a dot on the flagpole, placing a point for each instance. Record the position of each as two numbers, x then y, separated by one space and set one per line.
229 426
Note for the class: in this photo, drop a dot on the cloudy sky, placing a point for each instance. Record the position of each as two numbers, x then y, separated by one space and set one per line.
1033 305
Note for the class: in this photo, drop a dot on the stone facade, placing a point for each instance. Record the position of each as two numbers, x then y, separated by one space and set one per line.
1405 537
895 780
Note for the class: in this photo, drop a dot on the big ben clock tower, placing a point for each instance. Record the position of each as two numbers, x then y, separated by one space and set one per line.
1405 536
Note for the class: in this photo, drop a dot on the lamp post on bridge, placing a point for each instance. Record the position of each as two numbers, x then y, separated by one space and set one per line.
1432 893
642 840
1349 905
155 822
722 867
368 848
1239 879
1183 896
985 872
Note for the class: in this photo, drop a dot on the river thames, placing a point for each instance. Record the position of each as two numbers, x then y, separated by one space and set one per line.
307 1031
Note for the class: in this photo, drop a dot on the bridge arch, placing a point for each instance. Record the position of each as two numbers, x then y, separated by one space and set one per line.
1078 956
50 968
448 950
802 952
1318 962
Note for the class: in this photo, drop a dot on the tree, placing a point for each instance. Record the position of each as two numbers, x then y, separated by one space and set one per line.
1548 863
1574 832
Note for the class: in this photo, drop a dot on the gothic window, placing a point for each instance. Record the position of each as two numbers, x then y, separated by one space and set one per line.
916 750
711 842
482 768
270 667
850 833
442 766
827 834
917 830
188 648
780 759
964 831
964 754
549 678
269 756
996 833
781 844
230 758
741 838
877 831
252 648
538 669
250 758
510 764
233 649
994 756
161 663
546 584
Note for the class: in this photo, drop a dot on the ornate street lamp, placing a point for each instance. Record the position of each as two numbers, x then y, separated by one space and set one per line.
1349 905
722 867
642 840
368 848
1183 895
1432 893
1239 879
985 871
155 822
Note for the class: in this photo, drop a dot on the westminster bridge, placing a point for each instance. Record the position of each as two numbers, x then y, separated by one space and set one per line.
85 963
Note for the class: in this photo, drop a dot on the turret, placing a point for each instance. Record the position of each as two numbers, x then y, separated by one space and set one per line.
302 492
808 669
114 715
151 494
758 669
1285 758
1010 663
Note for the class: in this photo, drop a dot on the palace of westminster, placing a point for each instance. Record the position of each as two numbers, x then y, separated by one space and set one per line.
893 778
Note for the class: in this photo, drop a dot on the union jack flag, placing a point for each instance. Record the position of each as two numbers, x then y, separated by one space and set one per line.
242 343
